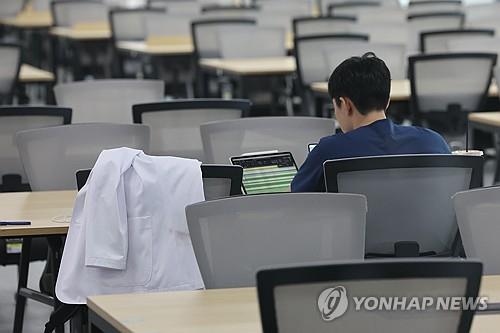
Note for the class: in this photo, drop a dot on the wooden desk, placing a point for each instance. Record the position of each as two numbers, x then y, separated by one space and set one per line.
30 74
42 209
400 90
223 310
29 20
251 67
81 34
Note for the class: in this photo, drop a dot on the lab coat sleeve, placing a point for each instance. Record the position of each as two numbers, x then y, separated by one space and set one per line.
106 243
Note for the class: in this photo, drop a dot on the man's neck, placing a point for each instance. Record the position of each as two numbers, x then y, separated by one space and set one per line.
369 118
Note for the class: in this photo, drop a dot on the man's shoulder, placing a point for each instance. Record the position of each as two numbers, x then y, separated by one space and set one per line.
421 132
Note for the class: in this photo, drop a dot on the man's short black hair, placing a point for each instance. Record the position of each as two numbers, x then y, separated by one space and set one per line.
365 80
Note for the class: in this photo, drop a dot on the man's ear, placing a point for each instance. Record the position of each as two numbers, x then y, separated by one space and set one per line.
349 105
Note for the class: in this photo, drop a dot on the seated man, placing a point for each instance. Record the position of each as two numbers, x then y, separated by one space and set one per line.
360 88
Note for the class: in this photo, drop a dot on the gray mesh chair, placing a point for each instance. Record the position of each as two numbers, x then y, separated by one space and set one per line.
289 297
233 238
107 100
322 25
445 87
67 13
410 211
434 6
219 181
438 41
205 33
382 14
131 24
18 118
225 139
311 62
240 42
10 8
484 44
218 11
10 64
52 155
384 32
477 214
394 55
175 125
419 23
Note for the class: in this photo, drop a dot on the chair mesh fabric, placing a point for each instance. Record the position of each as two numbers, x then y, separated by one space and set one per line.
67 14
177 133
241 42
434 8
9 66
382 14
311 59
225 139
233 238
354 9
408 204
443 82
40 5
132 25
480 44
168 25
10 8
9 126
294 299
394 56
384 32
323 25
206 34
51 156
477 216
107 100
439 43
233 12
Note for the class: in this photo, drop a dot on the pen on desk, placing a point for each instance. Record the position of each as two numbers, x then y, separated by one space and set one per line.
5 223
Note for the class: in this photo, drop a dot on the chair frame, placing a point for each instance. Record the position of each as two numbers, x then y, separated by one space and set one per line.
233 172
351 4
10 94
332 168
438 14
50 111
208 8
434 2
189 104
268 280
411 74
424 35
334 18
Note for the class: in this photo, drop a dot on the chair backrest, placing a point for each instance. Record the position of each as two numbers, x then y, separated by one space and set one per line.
233 238
10 64
225 139
40 5
107 100
437 41
409 196
220 11
309 55
434 6
175 125
131 24
219 181
351 8
169 25
177 7
419 23
484 44
67 13
240 42
10 8
382 14
52 155
310 298
394 55
477 214
322 25
18 118
384 32
440 81
205 33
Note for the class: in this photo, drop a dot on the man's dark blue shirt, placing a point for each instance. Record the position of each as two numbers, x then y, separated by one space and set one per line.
381 137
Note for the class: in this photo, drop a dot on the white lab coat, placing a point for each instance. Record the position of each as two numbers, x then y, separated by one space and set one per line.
129 232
